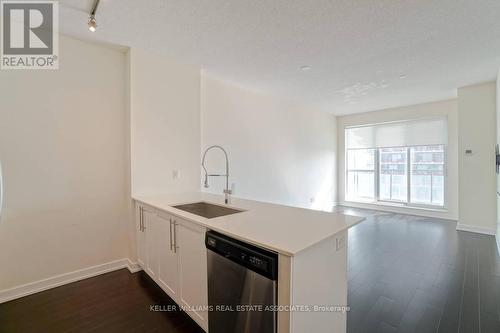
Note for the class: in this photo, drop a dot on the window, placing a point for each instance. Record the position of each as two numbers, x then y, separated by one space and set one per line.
393 174
400 163
361 174
427 165
427 175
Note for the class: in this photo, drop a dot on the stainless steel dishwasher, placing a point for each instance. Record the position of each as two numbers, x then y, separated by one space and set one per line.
242 286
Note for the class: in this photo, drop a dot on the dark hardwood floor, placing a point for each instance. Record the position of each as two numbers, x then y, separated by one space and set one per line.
416 274
113 302
406 274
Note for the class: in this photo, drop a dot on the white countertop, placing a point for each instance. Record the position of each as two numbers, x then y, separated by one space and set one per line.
284 229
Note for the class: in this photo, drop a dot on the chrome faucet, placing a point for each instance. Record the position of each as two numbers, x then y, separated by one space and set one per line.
227 191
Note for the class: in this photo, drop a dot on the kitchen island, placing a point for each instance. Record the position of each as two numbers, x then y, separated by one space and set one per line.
311 247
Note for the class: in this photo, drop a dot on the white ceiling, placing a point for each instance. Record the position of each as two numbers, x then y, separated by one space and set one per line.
357 49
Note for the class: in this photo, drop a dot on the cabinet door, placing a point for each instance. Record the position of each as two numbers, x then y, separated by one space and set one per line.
167 256
141 237
150 221
192 257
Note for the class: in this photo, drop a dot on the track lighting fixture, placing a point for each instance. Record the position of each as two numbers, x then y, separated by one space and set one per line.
92 23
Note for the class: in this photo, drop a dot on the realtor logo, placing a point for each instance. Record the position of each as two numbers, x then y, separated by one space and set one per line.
29 33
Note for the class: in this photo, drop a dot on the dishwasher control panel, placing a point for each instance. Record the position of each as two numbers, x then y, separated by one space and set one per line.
261 261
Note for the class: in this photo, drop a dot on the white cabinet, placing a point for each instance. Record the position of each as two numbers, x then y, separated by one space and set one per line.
147 256
167 252
150 221
192 255
140 236
172 252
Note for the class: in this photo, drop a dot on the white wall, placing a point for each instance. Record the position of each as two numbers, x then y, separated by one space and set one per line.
477 178
498 176
279 151
164 127
64 150
165 124
444 108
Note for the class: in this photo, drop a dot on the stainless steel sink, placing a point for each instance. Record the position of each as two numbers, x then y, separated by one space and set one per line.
207 210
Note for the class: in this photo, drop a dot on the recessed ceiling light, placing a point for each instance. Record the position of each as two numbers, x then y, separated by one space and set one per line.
305 68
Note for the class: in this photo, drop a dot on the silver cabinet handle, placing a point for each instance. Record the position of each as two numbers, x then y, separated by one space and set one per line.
175 237
171 244
140 219
143 224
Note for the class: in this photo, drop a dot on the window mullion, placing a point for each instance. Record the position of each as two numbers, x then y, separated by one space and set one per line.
432 179
377 174
408 175
390 187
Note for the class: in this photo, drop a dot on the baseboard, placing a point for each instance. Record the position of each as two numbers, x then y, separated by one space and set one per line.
478 230
62 279
133 267
413 211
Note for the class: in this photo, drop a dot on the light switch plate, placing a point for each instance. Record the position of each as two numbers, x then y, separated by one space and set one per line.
176 174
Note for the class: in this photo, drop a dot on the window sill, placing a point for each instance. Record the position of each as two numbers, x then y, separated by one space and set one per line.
396 205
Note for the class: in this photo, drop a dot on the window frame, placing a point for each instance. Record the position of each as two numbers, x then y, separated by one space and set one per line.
376 180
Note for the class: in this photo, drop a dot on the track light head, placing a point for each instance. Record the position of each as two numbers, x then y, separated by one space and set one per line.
92 23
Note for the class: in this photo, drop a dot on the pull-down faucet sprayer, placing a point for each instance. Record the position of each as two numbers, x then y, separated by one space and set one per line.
227 191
